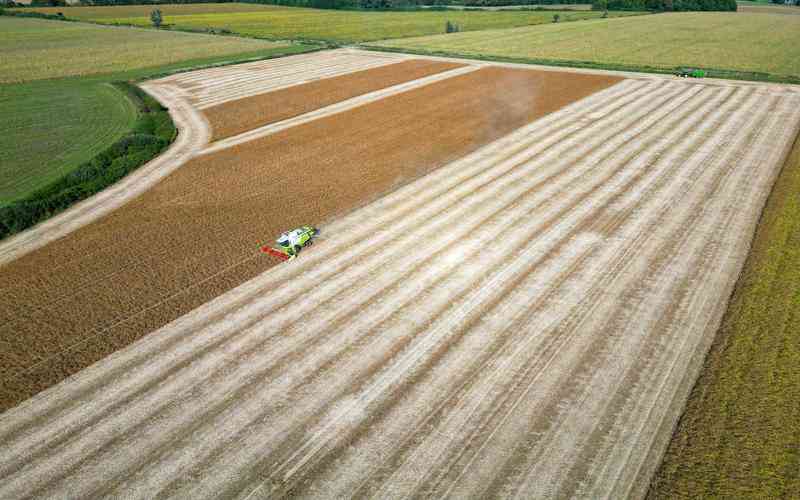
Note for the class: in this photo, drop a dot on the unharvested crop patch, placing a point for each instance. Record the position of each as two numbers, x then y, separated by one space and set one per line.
245 114
50 49
196 234
524 320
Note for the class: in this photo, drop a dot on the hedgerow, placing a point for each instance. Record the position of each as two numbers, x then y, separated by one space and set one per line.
666 5
151 134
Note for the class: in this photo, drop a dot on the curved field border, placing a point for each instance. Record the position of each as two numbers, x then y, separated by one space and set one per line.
193 133
196 234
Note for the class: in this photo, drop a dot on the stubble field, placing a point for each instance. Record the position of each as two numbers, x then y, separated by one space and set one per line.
523 312
186 241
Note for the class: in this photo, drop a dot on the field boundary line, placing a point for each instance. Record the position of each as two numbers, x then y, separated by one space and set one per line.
193 132
333 109
568 68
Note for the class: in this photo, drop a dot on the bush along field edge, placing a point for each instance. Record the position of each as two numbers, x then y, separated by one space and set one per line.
726 74
152 133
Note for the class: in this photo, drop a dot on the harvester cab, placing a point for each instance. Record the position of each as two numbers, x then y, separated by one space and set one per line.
289 243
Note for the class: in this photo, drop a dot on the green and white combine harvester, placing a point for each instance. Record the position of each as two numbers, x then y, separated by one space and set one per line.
289 243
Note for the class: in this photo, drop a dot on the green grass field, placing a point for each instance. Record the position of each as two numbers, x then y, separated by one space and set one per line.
52 126
48 49
280 23
731 41
740 434
57 107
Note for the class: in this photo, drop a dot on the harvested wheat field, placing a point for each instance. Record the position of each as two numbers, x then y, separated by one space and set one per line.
196 234
525 320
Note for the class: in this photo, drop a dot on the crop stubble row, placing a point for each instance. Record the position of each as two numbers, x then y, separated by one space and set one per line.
431 358
196 234
214 86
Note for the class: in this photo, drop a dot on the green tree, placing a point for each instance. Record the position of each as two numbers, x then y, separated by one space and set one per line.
156 18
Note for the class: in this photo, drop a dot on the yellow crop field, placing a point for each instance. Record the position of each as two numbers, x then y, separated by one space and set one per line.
764 43
47 49
273 22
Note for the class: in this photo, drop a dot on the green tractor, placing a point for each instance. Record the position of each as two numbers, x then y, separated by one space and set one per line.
690 73
291 242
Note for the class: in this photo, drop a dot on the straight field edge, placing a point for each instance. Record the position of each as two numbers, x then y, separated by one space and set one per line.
656 478
749 76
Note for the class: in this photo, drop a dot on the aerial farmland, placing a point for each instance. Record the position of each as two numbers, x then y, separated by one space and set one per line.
520 274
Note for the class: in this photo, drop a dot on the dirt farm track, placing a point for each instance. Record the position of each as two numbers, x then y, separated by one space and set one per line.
519 274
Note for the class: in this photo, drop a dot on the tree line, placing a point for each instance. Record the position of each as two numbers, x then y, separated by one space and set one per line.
665 5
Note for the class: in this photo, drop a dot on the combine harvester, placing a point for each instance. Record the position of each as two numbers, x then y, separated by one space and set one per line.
691 73
289 243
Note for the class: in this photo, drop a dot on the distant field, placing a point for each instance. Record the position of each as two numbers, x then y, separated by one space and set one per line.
265 21
57 108
765 43
768 8
740 434
552 6
50 49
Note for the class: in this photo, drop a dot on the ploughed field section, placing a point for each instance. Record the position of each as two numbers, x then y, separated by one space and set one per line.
525 321
196 234
232 118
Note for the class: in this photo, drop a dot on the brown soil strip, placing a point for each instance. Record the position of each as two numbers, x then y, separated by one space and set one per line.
233 118
196 234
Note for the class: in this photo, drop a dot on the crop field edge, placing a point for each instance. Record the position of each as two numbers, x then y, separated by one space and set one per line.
330 42
51 198
136 76
665 481
711 72
299 40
